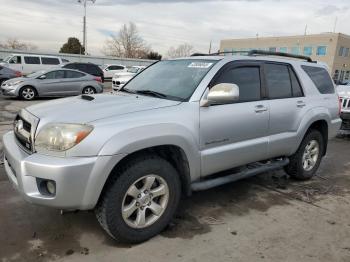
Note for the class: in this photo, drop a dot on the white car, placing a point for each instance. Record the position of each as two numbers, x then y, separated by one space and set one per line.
29 63
110 70
120 79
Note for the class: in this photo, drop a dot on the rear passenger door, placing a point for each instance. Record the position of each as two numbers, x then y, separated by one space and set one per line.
73 82
287 107
235 134
53 84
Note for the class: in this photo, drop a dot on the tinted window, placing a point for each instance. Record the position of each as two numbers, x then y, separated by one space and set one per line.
247 79
70 66
55 74
93 70
73 74
115 68
50 61
278 81
296 88
32 60
321 79
16 60
81 67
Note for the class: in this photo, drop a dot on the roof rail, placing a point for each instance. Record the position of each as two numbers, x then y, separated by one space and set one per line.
259 52
262 52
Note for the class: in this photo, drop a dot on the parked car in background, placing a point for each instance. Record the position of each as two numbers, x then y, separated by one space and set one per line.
56 82
7 73
29 63
120 79
344 95
110 70
89 68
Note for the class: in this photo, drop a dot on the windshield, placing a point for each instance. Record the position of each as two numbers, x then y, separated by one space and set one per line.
176 79
133 70
7 59
36 74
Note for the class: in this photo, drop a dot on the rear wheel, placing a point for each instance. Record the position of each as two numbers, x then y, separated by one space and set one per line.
27 93
89 90
140 200
305 162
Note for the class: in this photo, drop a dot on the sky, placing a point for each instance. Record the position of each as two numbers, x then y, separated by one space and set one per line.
162 24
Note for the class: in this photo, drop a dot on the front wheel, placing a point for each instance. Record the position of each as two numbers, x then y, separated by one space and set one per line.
27 93
305 162
89 90
140 200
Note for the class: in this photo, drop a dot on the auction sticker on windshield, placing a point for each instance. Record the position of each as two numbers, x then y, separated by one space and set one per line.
199 65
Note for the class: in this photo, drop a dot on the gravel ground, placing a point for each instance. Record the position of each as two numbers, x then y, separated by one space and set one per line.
265 218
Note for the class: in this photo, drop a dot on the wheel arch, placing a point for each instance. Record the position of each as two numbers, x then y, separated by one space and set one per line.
175 155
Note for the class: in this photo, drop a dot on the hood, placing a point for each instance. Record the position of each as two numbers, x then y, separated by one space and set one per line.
343 90
124 74
17 79
79 110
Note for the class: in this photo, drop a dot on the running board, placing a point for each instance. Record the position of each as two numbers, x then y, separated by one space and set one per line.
250 171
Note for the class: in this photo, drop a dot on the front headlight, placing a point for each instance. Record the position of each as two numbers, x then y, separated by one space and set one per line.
61 137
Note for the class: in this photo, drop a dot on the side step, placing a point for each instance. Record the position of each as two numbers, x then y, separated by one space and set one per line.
250 171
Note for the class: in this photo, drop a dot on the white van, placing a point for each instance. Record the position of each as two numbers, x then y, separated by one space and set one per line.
28 63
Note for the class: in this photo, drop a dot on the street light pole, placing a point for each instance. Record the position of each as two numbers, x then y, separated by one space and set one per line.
84 2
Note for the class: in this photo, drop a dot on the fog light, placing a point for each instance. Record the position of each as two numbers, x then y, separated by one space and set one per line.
51 187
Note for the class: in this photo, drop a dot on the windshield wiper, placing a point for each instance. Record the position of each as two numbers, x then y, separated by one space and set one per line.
127 90
152 93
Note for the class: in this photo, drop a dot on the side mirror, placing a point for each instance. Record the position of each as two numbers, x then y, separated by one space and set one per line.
42 77
106 69
224 93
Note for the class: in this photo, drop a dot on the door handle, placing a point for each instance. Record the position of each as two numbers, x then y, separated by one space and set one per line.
301 104
260 108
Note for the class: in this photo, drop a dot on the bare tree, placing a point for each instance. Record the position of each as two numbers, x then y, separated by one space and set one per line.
180 51
128 43
15 44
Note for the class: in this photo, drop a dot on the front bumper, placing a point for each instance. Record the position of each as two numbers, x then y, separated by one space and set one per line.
79 180
8 92
345 126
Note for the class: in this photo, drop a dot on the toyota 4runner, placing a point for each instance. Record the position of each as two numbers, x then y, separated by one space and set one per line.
177 127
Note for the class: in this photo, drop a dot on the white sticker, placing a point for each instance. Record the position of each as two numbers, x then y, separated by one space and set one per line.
199 65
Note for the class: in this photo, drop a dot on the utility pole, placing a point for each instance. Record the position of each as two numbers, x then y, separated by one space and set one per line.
84 2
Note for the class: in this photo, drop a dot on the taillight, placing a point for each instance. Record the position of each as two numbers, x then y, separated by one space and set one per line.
98 79
18 74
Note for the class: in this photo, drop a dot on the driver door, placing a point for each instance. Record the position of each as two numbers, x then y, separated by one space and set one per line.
53 84
235 134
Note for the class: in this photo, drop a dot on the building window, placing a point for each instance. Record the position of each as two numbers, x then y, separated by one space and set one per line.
321 50
336 75
307 50
341 51
347 75
272 49
295 50
228 50
346 52
283 49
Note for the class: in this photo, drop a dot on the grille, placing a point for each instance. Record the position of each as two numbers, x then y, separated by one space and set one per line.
345 124
345 103
22 129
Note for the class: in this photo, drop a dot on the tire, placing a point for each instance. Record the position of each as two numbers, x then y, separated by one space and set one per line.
28 93
303 167
89 90
127 228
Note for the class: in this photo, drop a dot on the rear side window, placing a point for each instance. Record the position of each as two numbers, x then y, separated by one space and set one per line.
320 78
115 68
278 81
92 69
32 60
55 74
81 67
247 79
73 74
50 61
70 66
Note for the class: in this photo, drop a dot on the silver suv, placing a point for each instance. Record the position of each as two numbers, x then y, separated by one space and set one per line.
172 130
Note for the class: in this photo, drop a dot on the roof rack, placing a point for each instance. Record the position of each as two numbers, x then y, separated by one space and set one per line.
262 52
259 52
